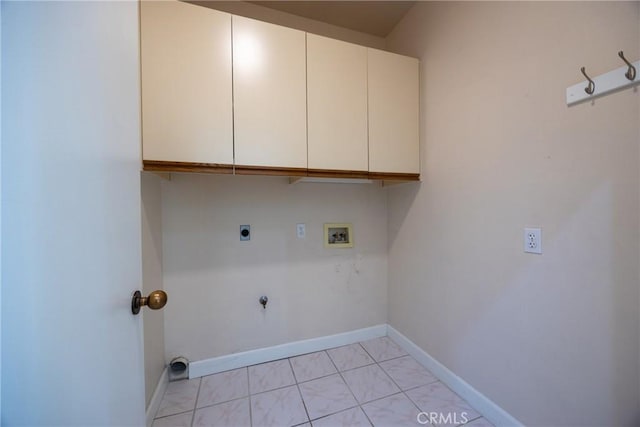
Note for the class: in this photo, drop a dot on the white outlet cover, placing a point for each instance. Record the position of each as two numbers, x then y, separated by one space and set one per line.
301 231
532 240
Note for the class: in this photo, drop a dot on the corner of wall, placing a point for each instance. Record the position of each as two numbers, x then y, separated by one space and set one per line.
153 321
638 19
0 214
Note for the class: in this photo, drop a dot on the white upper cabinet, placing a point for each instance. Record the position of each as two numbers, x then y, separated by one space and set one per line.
186 83
337 104
393 113
221 92
269 91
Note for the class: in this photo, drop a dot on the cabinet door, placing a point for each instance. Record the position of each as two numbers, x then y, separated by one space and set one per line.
269 96
337 104
186 83
393 113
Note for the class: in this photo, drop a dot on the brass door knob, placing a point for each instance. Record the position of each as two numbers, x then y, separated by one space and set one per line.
155 301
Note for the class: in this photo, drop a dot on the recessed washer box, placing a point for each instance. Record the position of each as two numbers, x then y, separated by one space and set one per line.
338 235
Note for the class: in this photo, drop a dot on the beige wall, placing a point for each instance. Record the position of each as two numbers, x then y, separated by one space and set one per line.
277 17
551 338
214 280
153 321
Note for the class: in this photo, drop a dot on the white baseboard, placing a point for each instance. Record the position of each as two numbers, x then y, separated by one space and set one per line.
492 412
158 393
262 355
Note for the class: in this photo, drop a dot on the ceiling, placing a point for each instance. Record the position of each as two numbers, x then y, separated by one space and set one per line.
372 17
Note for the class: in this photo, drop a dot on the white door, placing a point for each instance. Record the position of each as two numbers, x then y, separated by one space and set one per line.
72 350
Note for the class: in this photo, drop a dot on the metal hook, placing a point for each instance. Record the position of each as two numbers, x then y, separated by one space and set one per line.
631 72
592 86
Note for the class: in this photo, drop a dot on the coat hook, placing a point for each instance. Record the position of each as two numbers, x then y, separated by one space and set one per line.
592 86
631 72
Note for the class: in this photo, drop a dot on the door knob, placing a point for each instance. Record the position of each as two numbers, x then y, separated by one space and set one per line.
155 301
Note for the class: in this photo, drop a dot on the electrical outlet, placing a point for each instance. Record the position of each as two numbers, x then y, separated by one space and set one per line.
301 230
245 232
533 240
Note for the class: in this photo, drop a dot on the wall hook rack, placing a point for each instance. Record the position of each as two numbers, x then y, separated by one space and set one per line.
604 84
631 72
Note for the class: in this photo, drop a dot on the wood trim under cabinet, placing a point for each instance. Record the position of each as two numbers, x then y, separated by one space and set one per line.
389 176
168 167
269 171
331 173
165 166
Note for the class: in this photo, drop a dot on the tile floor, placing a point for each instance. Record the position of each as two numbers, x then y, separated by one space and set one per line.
369 383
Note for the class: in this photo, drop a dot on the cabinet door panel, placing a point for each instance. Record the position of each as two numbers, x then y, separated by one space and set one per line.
269 95
337 104
393 113
186 83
